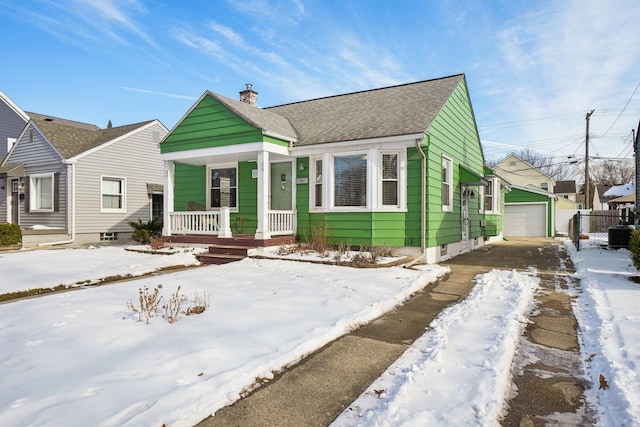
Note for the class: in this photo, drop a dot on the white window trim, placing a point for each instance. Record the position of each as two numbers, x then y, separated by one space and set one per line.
208 178
449 207
374 180
33 193
495 202
313 169
124 194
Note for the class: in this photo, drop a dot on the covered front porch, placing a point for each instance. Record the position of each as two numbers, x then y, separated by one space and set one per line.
232 192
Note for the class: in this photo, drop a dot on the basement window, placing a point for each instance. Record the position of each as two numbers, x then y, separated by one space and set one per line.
108 237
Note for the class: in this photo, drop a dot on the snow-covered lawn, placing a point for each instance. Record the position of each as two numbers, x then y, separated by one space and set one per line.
80 358
31 269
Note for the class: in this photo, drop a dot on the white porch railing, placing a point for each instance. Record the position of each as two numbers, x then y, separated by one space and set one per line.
217 222
192 222
282 222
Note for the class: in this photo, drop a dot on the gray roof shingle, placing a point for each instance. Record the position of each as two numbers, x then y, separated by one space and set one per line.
72 138
391 111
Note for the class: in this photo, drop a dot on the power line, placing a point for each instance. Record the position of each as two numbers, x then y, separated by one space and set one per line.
623 108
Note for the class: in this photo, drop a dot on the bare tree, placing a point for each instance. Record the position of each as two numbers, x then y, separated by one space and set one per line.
611 172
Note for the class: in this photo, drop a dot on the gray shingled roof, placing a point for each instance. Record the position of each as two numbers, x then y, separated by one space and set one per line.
392 111
564 187
260 118
72 138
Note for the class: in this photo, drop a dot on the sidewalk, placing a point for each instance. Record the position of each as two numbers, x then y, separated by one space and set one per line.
548 369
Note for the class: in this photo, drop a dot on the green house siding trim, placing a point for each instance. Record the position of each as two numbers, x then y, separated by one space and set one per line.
357 228
209 124
190 186
452 133
413 235
517 195
494 225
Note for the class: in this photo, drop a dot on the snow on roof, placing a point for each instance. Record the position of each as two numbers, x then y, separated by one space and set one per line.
620 190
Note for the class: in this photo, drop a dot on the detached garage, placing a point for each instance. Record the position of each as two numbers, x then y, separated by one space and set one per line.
528 213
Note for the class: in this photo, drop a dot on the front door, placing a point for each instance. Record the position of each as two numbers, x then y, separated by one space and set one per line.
281 186
14 202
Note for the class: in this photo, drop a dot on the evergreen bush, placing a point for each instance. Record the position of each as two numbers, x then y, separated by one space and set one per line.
10 234
634 247
143 232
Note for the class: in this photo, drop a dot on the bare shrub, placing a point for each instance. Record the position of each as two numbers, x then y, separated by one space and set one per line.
156 242
148 302
318 236
173 308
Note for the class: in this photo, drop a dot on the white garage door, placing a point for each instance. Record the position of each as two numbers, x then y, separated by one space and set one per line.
525 220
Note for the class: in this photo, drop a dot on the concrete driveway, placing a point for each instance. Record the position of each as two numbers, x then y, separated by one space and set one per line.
547 371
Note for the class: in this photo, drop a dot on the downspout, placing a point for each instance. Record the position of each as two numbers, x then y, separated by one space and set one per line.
73 211
423 205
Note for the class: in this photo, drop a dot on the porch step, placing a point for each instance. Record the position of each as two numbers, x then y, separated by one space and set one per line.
222 254
208 258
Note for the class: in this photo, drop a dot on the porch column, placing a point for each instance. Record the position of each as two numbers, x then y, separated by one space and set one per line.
167 198
224 228
263 232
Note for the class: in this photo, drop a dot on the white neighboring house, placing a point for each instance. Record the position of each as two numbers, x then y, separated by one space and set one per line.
67 182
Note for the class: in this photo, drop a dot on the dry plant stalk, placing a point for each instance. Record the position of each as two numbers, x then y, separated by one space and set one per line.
148 303
173 307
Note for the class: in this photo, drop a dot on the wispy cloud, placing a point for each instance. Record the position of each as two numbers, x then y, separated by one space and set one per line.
288 12
88 23
570 56
155 92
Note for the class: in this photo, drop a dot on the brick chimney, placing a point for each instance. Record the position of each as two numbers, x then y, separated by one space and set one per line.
249 96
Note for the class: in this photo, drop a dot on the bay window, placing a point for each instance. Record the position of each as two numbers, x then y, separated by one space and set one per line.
389 180
350 180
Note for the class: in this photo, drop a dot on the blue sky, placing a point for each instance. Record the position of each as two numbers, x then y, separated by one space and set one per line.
534 68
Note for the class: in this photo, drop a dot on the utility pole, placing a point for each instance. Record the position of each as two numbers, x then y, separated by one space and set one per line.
586 163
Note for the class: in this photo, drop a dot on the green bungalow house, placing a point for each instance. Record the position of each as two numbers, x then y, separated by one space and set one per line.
399 166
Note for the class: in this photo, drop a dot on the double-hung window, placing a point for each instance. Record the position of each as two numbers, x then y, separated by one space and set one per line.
350 180
223 185
318 184
113 194
492 196
41 193
389 179
447 184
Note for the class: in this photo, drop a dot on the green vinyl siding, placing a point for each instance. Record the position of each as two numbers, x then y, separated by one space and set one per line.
359 228
452 133
494 225
302 196
210 124
245 221
414 197
190 186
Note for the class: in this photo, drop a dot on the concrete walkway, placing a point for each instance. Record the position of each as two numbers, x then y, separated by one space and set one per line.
319 388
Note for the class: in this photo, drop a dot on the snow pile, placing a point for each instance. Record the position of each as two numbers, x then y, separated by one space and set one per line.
458 373
607 310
